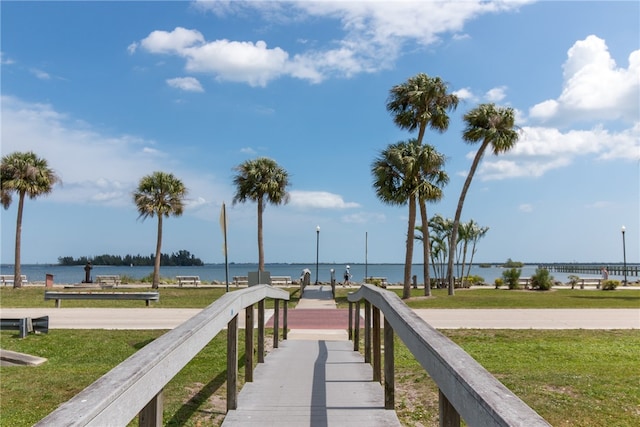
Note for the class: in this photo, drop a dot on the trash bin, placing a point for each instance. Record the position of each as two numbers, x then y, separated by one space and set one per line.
49 280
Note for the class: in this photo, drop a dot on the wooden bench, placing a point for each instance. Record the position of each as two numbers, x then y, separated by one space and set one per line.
8 279
108 280
382 280
25 325
240 280
141 296
591 281
193 280
280 280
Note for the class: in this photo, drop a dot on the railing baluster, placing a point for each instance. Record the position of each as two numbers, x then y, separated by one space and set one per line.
261 331
248 344
449 417
151 415
276 323
367 332
284 320
232 364
356 328
389 367
350 328
377 351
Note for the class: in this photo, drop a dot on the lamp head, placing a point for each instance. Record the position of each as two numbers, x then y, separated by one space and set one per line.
318 228
623 228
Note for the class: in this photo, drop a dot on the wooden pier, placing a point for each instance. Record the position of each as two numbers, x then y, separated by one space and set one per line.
615 269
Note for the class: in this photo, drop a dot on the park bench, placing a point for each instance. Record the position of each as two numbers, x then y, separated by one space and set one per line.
108 280
280 280
8 279
591 281
240 280
193 280
25 325
381 280
141 296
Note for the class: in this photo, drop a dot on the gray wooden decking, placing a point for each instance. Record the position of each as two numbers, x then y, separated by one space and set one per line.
312 383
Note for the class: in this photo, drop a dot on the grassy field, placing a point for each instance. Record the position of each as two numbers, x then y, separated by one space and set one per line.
572 377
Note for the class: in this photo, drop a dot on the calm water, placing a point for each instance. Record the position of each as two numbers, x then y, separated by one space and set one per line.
393 272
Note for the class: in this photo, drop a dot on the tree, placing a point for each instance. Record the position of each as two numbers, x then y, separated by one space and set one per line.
25 174
261 180
403 173
420 102
494 127
160 194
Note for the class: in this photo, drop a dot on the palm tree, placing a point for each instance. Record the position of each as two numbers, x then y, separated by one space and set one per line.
261 180
476 234
160 194
404 173
27 175
492 126
420 102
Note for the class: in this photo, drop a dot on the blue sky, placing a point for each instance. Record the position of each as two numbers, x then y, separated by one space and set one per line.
109 92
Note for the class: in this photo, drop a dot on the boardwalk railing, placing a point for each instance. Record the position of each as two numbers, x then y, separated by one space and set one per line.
134 387
466 389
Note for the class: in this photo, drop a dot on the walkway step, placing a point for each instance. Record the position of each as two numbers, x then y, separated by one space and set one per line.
312 383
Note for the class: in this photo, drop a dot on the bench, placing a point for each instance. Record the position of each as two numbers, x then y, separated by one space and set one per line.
8 278
280 280
141 296
106 280
25 325
193 280
240 280
588 281
381 280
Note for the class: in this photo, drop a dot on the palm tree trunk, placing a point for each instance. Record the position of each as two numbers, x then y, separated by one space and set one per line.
260 243
156 265
17 277
426 247
406 290
456 221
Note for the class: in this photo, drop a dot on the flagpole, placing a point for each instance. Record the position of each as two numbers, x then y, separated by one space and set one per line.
226 256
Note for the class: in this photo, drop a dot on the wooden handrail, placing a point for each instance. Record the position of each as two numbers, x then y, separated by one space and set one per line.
134 387
467 389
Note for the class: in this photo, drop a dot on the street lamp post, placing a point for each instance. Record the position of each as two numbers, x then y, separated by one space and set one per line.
624 256
317 250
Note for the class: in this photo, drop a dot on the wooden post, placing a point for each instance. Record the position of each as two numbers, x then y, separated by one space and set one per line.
276 322
367 331
350 329
232 364
284 319
261 331
356 329
151 415
449 417
389 368
377 351
248 344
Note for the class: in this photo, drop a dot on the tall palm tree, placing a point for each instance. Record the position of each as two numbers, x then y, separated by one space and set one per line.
160 194
477 234
261 180
493 127
25 174
420 102
404 173
432 179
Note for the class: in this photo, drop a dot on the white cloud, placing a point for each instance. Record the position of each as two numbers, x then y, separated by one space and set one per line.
374 35
525 207
74 149
594 87
319 199
465 94
496 94
540 150
364 218
189 84
42 75
248 150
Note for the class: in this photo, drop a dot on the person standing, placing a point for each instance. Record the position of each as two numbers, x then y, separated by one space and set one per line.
87 273
605 273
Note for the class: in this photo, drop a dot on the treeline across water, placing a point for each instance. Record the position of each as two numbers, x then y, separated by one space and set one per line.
181 258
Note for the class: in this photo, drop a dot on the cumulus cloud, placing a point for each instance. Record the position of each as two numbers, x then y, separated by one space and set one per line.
594 87
320 200
374 34
188 84
496 94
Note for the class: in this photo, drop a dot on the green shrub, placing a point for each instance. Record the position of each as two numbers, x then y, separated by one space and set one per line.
474 280
511 276
573 280
610 285
541 280
498 282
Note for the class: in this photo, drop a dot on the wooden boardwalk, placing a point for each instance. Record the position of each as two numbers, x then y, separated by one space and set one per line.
313 380
312 383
